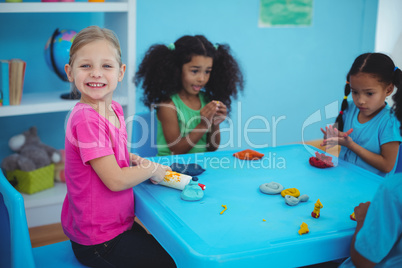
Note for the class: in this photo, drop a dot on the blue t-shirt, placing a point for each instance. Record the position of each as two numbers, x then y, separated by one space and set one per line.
381 129
380 238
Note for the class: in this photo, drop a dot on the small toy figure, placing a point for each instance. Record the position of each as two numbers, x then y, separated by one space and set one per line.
303 229
316 211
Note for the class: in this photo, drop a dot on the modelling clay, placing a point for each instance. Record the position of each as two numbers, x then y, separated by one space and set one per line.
188 169
293 201
271 188
303 229
192 191
291 191
352 216
224 208
321 160
316 211
177 180
248 154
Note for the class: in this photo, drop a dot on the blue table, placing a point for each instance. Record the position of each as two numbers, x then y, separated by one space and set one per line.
196 235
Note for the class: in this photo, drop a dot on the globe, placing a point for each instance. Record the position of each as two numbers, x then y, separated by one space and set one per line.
57 51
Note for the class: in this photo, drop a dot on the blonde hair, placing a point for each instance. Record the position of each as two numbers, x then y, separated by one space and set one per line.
91 34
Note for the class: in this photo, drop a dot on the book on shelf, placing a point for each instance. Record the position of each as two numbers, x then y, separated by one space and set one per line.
17 75
4 83
12 81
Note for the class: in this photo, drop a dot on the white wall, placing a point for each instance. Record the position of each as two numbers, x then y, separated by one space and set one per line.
389 31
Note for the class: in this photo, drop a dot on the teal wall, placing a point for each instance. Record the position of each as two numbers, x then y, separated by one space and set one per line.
290 72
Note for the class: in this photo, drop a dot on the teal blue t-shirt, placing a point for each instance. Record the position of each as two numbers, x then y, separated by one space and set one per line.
381 129
380 238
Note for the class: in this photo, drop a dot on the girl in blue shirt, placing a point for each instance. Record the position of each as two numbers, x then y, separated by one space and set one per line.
368 130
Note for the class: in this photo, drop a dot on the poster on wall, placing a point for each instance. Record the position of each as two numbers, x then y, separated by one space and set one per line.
285 13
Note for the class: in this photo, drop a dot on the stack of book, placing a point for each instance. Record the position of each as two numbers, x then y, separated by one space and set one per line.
12 73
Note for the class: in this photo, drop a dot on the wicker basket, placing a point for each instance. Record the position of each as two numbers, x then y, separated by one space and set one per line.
32 181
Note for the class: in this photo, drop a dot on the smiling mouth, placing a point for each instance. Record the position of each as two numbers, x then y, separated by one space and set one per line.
96 84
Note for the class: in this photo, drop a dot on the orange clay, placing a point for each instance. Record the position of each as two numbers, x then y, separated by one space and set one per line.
172 176
248 154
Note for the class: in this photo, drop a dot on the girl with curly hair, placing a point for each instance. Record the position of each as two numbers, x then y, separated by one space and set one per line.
190 83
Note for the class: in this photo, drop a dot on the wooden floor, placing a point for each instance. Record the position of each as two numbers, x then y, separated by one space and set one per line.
46 234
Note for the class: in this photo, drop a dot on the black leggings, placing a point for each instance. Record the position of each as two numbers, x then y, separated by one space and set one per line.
133 248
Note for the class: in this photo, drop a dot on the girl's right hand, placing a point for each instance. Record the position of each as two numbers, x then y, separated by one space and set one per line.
159 173
207 113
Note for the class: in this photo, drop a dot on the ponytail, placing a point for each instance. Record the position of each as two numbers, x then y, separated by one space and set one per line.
339 120
397 97
159 74
226 78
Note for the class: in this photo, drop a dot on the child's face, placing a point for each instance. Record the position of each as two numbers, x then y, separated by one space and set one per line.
369 94
195 74
96 71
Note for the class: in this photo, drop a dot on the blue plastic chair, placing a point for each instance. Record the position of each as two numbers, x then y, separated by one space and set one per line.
143 140
15 244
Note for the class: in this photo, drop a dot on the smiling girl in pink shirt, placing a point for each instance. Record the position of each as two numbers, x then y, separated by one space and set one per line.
98 211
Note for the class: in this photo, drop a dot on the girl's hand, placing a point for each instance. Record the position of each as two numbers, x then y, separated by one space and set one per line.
361 211
207 113
335 137
221 114
159 172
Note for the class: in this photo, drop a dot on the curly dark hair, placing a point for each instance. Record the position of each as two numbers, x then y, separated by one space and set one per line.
160 70
385 70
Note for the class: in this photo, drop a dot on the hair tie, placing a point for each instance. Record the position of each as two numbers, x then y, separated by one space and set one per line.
347 82
345 97
341 112
216 46
171 46
395 68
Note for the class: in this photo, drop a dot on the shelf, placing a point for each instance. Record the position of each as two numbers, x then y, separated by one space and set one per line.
51 196
44 102
37 103
62 7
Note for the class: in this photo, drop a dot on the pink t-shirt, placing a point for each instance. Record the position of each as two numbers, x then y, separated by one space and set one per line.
91 213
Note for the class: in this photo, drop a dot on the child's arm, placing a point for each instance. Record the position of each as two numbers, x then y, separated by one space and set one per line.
385 161
171 130
214 136
357 259
118 179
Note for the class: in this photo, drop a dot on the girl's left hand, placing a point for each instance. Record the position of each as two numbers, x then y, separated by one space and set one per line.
335 137
221 113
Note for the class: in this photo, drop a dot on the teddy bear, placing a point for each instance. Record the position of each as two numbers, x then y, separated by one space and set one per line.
30 152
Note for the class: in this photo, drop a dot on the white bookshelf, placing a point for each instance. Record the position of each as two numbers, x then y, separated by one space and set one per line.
120 16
